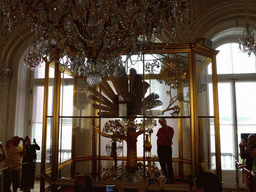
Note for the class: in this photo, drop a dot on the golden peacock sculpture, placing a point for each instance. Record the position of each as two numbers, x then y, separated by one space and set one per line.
131 89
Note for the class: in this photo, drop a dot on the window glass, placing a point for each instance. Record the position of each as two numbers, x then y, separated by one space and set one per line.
66 109
224 65
246 107
230 60
39 72
37 117
226 126
242 63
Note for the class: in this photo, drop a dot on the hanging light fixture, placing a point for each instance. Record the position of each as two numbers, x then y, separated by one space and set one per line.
98 30
94 79
33 58
247 42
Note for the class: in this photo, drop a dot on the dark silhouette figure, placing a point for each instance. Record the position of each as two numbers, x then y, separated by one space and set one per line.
29 165
164 149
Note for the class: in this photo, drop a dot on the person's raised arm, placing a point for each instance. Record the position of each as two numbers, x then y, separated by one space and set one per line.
36 145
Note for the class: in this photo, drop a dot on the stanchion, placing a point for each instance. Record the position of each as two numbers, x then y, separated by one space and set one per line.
1 183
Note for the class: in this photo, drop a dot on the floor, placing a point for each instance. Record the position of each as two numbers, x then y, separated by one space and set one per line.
233 190
37 188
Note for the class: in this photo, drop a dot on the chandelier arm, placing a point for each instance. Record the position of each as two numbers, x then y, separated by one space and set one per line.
50 10
95 51
60 27
79 28
125 32
139 2
119 42
73 2
28 13
72 49
78 24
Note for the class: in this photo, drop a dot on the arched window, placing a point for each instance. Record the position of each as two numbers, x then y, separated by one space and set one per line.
237 105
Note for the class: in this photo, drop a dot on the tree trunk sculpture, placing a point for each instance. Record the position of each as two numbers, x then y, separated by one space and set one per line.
134 129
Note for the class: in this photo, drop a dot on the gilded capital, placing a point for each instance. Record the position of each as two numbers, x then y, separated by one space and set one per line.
5 75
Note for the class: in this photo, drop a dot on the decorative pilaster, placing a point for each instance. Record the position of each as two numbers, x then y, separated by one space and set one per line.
5 80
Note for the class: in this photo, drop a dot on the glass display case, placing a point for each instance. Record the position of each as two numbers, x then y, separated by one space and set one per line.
109 131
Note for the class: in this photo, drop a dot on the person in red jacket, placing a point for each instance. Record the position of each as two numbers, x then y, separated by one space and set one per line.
164 149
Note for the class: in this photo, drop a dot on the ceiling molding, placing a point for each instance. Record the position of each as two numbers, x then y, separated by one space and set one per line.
214 20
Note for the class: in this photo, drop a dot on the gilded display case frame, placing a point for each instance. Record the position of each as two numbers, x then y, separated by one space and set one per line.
197 160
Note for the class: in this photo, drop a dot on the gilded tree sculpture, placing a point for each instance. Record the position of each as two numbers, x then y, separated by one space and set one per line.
126 131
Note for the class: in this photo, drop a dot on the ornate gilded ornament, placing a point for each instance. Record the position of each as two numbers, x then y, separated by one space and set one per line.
174 72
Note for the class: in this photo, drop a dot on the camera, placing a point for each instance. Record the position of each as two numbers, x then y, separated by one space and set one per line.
110 188
151 181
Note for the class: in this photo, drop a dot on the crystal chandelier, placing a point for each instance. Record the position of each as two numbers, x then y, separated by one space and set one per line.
33 58
93 34
247 42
